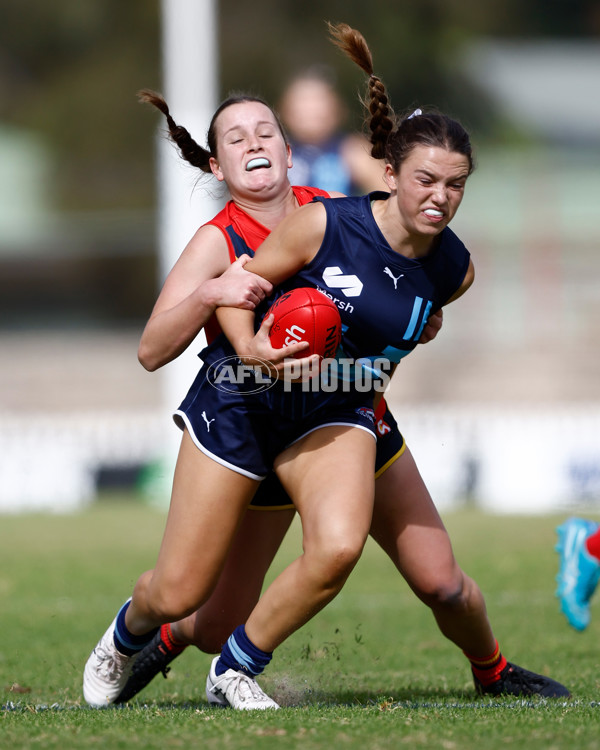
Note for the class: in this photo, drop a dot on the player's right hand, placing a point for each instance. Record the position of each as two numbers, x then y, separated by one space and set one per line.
240 288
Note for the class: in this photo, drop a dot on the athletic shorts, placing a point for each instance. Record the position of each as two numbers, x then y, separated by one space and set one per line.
244 424
390 446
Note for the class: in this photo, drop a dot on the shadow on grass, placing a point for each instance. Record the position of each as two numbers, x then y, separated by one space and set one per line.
378 698
310 698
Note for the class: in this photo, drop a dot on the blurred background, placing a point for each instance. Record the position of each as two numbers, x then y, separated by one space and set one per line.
502 410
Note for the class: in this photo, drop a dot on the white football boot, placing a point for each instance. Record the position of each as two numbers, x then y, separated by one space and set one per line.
237 690
106 671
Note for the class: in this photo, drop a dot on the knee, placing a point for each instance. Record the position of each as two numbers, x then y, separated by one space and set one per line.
453 593
171 603
335 563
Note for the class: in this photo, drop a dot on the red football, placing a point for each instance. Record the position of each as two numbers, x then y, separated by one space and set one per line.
306 314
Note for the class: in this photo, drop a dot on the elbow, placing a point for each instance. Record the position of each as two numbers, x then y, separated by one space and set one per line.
147 360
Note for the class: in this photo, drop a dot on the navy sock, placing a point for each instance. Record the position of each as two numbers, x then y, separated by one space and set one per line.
125 641
240 654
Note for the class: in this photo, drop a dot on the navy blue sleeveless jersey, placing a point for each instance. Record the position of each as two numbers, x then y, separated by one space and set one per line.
384 298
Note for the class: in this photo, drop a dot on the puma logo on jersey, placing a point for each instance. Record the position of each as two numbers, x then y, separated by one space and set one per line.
395 279
207 420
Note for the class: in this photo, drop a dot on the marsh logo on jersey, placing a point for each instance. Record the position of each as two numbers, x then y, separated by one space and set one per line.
349 284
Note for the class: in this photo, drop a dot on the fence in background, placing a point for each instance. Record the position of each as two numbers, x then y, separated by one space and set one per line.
501 459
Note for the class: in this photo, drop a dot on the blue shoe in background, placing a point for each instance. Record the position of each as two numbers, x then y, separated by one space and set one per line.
578 573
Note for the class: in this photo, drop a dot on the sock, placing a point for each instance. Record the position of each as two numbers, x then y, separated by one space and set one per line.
592 545
125 641
171 643
488 669
240 654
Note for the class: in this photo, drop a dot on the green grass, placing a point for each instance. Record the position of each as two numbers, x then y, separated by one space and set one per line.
371 671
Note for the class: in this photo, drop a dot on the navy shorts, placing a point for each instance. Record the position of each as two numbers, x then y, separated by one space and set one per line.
390 446
245 422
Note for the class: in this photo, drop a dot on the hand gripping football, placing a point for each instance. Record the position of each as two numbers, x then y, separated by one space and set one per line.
306 314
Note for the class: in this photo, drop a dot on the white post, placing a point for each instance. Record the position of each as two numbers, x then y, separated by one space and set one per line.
190 85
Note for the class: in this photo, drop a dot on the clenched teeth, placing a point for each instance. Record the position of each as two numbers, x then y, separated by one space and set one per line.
257 163
433 212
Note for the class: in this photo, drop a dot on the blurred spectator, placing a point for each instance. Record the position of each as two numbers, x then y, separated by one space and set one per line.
323 154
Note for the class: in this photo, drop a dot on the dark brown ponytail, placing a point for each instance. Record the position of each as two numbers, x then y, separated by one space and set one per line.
393 138
191 151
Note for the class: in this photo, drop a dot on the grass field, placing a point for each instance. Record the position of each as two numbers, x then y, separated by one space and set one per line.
371 671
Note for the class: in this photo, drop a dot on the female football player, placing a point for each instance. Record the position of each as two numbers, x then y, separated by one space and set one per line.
405 521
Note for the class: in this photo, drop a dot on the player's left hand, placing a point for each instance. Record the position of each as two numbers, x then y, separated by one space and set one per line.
279 363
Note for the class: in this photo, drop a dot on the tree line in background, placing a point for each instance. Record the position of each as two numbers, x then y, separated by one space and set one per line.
69 70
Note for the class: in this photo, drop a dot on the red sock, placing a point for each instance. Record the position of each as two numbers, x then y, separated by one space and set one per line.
592 544
167 637
487 669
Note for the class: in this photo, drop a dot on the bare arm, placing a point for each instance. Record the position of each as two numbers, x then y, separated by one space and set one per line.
466 283
289 247
436 319
201 279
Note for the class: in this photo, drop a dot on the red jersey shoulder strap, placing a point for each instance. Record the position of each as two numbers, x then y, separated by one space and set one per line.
243 233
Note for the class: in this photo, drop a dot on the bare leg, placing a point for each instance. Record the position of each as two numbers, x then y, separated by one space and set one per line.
408 528
329 475
207 505
239 586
